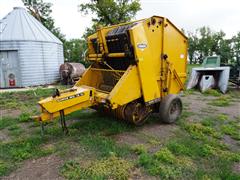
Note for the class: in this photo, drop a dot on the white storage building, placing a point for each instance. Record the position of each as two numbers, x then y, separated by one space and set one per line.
29 53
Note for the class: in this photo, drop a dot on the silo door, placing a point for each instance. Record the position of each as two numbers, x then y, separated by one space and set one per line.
9 69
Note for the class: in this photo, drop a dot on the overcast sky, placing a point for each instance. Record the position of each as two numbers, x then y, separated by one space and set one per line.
187 14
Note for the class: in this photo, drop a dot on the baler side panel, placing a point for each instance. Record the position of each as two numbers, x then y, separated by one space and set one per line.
46 116
175 46
154 35
66 100
147 76
90 78
127 89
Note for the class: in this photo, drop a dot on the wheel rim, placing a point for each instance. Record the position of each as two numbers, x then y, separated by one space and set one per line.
175 110
136 113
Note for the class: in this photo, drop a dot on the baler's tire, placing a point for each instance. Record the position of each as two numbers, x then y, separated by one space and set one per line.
170 108
136 113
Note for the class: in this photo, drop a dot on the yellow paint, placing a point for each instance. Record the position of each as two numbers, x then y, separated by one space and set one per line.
127 89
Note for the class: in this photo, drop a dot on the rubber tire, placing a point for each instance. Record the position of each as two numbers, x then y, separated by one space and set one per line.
165 107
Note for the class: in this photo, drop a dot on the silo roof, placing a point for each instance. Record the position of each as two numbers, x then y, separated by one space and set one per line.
19 25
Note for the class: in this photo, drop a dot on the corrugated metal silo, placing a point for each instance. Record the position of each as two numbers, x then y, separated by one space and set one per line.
29 53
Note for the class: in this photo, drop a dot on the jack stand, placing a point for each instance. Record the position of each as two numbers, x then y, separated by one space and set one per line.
63 122
42 128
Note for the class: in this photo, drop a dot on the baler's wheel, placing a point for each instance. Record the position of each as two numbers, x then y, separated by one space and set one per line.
119 112
170 108
136 113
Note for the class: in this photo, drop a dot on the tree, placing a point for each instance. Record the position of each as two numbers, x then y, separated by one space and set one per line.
236 47
192 47
205 42
109 12
74 50
42 12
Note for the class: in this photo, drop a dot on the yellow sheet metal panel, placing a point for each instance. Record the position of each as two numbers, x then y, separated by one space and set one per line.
66 100
90 78
175 46
45 116
127 89
143 55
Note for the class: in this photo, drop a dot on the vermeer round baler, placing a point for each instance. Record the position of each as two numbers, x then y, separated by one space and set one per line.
137 69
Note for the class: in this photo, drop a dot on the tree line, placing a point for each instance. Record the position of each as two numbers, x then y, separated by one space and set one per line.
203 42
206 42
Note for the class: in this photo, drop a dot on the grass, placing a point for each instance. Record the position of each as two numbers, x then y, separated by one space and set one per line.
139 148
212 92
189 155
221 101
23 100
232 129
190 66
7 121
15 130
11 153
165 164
91 150
30 146
110 168
189 92
24 117
103 146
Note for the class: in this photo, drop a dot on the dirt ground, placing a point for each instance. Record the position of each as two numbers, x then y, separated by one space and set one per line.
13 112
45 168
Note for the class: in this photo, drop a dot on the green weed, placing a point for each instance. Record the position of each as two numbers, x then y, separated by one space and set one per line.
208 122
234 93
15 130
221 101
22 149
164 164
178 148
232 130
91 122
189 92
199 131
103 146
6 122
4 168
110 168
212 92
13 127
23 100
165 155
222 117
153 141
24 117
139 148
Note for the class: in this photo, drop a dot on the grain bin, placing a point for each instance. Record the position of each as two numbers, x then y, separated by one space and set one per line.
29 53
